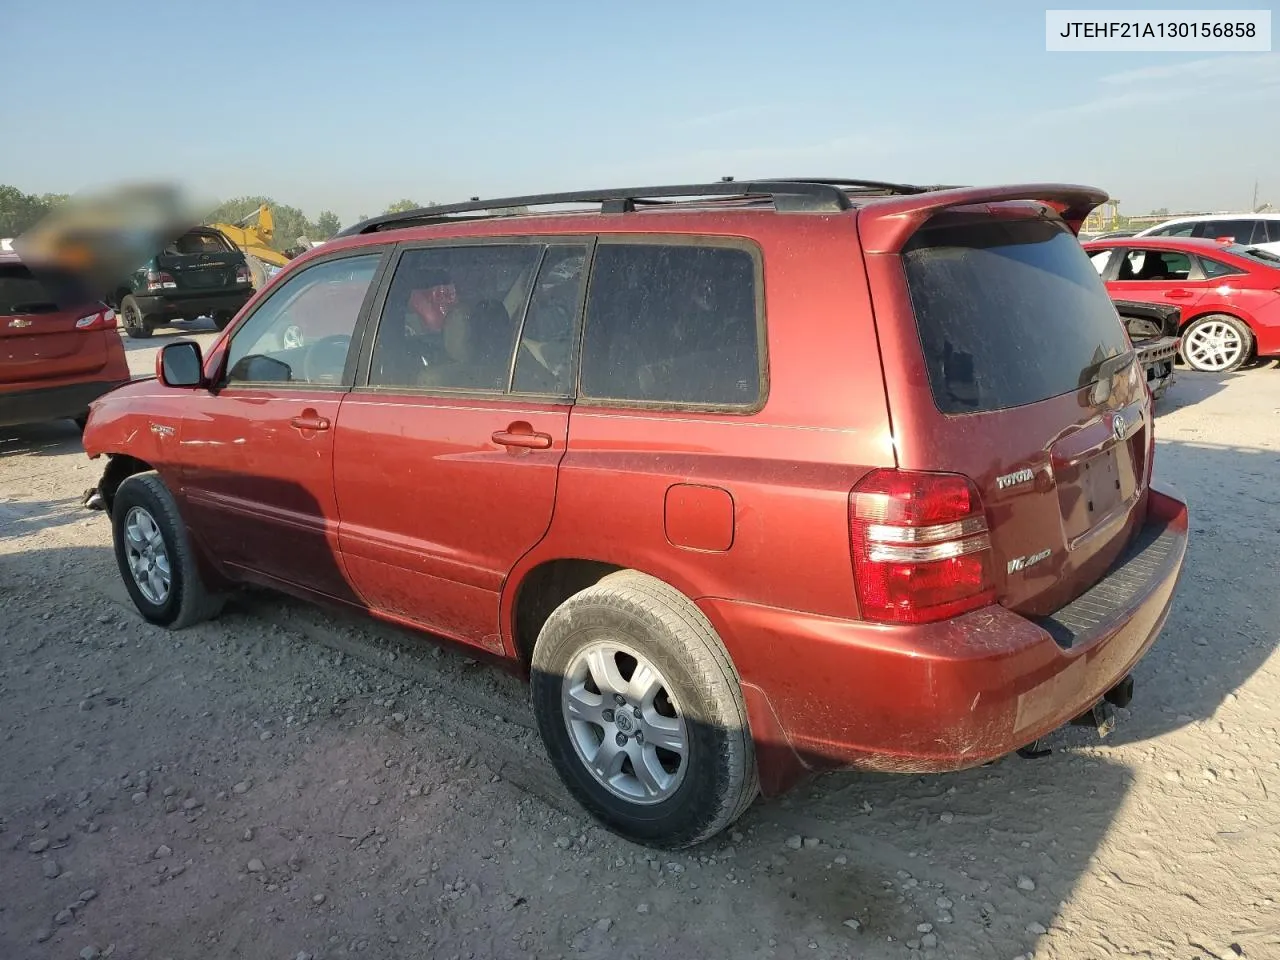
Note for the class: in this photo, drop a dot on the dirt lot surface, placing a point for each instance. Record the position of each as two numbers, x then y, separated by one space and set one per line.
286 783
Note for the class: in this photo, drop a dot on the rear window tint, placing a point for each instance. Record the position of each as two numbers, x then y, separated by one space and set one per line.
20 292
190 244
1010 312
672 324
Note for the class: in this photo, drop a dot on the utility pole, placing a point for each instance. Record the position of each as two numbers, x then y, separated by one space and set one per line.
1254 208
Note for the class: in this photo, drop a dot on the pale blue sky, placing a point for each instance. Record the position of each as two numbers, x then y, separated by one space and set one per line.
352 105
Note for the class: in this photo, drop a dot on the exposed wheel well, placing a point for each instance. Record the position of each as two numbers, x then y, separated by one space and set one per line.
543 589
119 296
120 467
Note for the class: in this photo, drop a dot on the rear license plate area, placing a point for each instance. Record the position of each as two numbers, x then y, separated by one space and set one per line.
1100 486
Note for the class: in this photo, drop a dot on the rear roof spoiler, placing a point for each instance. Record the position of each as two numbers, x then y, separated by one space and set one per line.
885 225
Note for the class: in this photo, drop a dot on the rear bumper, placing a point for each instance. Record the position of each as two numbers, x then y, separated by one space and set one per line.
53 403
954 694
1157 359
185 306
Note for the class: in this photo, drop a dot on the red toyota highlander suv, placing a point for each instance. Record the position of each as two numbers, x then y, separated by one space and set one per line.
752 479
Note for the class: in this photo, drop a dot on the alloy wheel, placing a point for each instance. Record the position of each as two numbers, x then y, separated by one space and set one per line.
624 723
147 555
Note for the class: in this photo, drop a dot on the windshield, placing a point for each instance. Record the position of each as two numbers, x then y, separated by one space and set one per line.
1009 311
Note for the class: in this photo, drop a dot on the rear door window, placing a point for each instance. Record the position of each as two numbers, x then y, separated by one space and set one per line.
544 359
675 324
1154 266
1009 311
452 316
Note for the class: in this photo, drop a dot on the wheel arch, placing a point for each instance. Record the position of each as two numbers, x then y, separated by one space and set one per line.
1252 352
120 467
1211 312
535 594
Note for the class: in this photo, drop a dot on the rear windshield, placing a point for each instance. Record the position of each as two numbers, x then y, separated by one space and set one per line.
1009 311
190 244
20 292
1265 257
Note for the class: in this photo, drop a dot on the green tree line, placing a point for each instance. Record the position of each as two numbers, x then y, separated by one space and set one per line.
20 211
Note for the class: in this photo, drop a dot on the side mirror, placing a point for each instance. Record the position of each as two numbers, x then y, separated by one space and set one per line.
180 364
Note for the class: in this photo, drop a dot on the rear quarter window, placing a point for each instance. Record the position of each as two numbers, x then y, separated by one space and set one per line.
675 324
1009 311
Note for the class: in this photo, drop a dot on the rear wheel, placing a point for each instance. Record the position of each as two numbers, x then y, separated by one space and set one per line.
135 324
1217 343
642 713
155 555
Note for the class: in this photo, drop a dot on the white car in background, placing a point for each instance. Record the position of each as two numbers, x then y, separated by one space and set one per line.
1260 230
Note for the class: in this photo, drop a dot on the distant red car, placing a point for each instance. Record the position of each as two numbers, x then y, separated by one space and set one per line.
1229 294
53 362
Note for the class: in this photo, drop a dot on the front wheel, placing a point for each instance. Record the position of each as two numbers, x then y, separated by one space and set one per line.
1217 343
155 555
642 714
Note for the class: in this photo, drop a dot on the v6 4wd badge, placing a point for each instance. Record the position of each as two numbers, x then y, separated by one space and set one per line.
1021 563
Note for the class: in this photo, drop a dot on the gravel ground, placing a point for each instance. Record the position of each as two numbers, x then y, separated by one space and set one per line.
287 783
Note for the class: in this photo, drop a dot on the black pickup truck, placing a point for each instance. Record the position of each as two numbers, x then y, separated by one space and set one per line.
1153 329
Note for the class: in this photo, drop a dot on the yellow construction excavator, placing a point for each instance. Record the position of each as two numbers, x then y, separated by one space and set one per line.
253 235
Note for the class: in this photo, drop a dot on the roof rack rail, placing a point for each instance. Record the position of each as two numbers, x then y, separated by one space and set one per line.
879 186
803 196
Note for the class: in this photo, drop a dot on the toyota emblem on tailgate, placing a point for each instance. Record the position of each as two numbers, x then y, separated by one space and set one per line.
1119 427
19 323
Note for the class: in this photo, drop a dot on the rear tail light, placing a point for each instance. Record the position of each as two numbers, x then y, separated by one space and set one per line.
104 319
242 274
159 280
921 547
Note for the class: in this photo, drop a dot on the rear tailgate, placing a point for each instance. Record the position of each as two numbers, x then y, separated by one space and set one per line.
1013 369
38 341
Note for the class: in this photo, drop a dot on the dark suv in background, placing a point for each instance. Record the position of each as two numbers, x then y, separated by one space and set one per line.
200 274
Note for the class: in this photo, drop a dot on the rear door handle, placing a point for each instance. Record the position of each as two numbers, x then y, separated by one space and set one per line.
525 438
310 421
1180 294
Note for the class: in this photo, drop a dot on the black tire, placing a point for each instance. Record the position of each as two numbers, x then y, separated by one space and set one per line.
719 781
81 421
1244 352
187 601
135 324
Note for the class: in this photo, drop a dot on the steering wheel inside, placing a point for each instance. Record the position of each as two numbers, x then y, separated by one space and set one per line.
325 359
